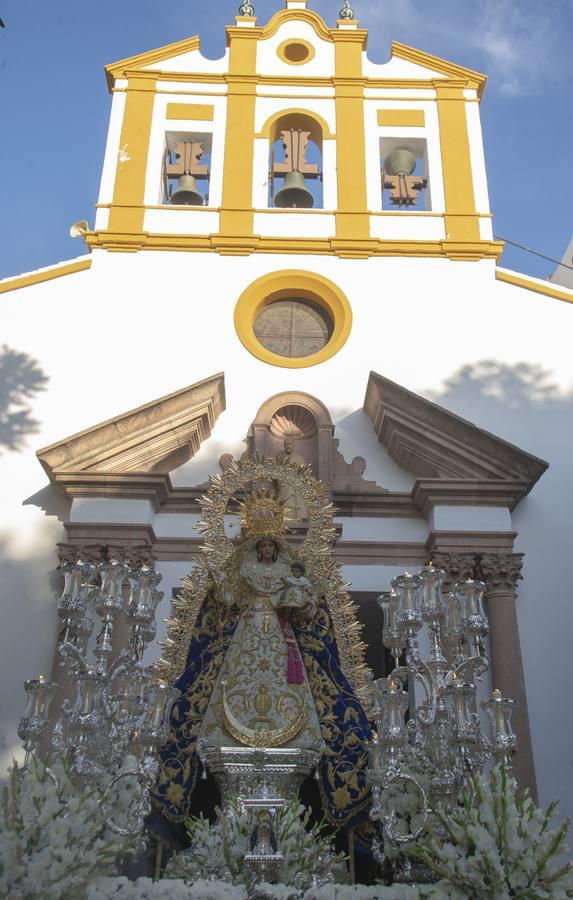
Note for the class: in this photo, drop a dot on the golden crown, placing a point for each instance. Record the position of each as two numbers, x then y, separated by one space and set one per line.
263 515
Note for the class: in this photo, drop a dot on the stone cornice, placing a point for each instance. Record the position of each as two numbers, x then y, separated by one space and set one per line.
369 504
455 461
138 543
158 489
431 492
476 542
124 486
156 437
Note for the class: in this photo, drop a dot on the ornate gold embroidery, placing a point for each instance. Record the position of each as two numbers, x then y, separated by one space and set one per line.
262 737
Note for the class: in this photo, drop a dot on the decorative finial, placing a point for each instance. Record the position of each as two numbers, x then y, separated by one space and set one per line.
346 12
246 9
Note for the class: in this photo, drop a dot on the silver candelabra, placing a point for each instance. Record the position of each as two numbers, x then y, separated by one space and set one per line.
117 706
432 754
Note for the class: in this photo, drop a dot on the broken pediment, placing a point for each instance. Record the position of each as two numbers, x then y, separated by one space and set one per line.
453 460
154 438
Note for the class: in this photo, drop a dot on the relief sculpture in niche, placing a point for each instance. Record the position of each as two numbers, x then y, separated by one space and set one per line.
298 428
290 494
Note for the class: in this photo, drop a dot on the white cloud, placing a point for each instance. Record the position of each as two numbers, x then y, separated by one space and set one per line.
518 43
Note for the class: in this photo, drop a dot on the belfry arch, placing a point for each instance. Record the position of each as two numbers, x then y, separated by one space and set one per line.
296 141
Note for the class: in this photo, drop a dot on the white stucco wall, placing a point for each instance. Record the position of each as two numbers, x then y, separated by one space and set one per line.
138 326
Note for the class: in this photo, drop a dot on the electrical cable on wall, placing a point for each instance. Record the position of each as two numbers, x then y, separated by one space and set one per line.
535 252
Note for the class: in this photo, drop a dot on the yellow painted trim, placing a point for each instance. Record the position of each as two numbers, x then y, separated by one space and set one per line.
470 77
24 281
200 112
240 245
289 283
269 130
352 218
521 281
298 98
209 78
282 48
237 215
402 118
184 92
420 214
302 15
294 81
120 68
456 165
127 208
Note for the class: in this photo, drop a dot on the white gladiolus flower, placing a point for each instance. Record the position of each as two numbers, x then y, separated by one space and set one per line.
499 847
52 838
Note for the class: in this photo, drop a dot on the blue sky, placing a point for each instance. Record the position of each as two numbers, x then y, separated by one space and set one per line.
55 104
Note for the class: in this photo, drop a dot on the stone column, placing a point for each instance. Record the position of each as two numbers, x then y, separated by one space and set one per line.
501 572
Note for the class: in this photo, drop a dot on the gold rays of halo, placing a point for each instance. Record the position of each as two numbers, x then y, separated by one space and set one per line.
263 514
316 551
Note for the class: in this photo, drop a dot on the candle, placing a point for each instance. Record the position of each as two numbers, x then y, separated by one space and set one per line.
497 698
459 705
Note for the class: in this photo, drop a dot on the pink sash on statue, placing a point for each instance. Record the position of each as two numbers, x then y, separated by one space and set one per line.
295 668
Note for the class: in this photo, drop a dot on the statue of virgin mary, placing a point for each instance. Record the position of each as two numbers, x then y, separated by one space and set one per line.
263 670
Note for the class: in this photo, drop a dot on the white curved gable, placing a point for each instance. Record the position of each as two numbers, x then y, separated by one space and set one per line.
269 63
398 68
192 61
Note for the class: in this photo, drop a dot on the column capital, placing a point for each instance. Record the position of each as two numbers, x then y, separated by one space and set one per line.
136 553
501 571
457 566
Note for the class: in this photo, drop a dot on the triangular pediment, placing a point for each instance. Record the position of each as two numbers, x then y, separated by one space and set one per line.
448 455
430 66
405 64
178 56
154 438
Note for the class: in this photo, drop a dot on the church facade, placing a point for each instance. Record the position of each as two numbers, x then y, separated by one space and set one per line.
293 253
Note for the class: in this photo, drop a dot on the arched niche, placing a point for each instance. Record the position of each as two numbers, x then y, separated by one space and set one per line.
292 124
293 414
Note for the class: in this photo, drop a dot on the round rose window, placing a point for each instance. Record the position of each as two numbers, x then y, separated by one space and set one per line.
293 327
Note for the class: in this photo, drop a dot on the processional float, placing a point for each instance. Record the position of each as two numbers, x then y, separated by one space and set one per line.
426 736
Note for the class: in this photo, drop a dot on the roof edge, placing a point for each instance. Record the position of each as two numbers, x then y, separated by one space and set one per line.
538 285
37 276
118 69
434 443
141 439
445 66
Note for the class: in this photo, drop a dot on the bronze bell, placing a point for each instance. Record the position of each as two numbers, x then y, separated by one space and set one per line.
187 193
400 162
294 194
